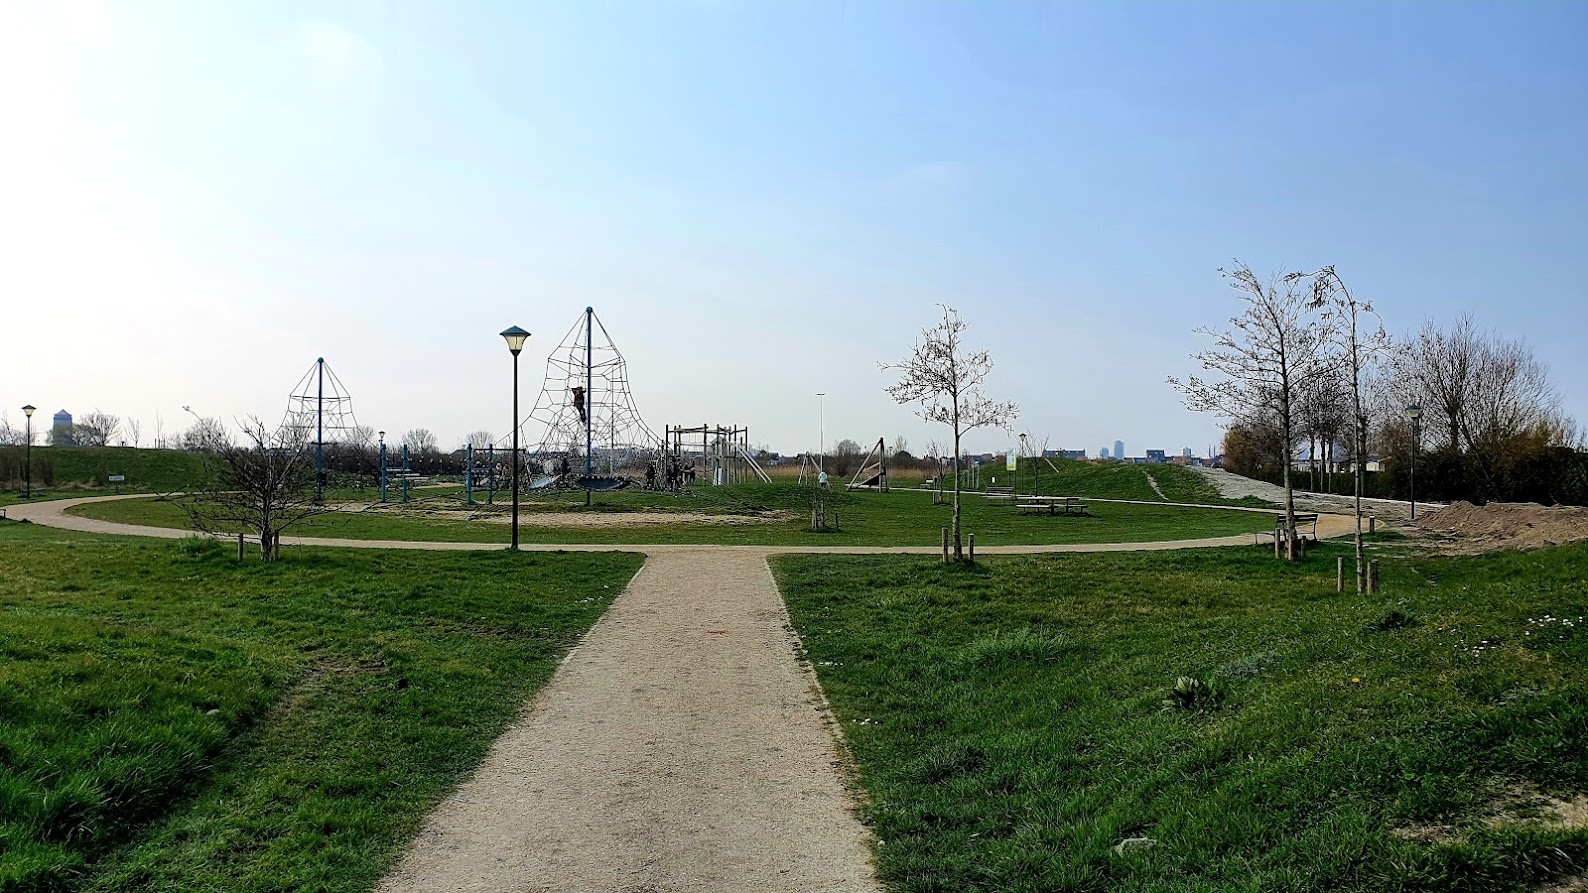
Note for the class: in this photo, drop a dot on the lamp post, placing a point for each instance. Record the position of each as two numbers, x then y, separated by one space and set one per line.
382 466
515 338
28 472
821 435
1017 463
1415 413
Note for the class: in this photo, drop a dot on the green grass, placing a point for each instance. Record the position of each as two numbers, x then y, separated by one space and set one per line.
173 720
904 518
1104 480
1009 724
78 468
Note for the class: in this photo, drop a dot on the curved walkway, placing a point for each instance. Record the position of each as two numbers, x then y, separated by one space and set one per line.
53 514
682 745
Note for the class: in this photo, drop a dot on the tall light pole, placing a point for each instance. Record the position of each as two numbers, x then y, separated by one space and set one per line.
821 433
28 473
515 338
1415 413
1017 464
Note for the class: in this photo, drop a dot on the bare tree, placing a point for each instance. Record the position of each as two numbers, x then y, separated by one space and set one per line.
1357 335
480 439
265 484
134 430
97 428
206 435
945 379
1261 361
420 440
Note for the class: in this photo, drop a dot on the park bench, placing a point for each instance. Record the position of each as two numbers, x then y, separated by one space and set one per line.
1001 493
1302 520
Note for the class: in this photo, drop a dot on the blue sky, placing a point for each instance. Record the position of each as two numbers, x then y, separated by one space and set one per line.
762 200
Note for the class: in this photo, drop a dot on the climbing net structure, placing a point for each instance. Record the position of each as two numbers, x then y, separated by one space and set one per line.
320 416
320 410
592 431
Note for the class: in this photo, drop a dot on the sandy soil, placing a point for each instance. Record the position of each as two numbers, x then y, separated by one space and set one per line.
1465 528
681 747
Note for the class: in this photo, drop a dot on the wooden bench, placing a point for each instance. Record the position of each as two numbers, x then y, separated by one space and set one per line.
1000 493
1302 520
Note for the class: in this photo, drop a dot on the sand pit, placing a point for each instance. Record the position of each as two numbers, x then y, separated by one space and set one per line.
1468 528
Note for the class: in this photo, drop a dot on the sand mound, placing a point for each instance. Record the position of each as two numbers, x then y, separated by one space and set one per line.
1507 525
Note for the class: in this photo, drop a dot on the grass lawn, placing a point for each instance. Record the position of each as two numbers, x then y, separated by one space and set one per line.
73 468
171 719
897 518
1010 728
1107 480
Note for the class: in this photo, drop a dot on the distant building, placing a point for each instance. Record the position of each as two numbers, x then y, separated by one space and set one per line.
61 430
1186 452
1102 453
1071 454
1119 449
1156 457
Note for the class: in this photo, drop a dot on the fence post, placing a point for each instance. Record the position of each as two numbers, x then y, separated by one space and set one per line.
1339 574
945 545
973 548
1372 576
239 547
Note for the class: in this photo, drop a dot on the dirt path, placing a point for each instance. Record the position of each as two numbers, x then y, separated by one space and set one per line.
53 514
681 747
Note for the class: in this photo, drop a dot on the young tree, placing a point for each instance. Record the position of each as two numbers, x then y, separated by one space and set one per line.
134 430
945 379
480 439
265 484
1261 361
1357 335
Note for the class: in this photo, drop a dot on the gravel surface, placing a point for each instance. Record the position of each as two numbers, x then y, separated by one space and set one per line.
681 747
1233 486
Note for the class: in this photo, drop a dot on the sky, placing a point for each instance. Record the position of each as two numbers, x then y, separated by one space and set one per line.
761 201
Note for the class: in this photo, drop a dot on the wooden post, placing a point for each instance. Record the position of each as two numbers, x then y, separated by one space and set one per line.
1372 524
239 547
1277 530
945 545
1339 574
1372 576
973 548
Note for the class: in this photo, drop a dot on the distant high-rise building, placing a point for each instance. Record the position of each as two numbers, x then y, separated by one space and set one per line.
1102 452
1186 452
1119 449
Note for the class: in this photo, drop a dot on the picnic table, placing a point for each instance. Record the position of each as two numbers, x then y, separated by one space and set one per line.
1053 505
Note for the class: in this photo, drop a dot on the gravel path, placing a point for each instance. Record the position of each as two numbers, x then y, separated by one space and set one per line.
1234 486
681 747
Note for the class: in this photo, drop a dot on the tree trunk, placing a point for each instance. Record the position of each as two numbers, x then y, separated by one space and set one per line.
958 552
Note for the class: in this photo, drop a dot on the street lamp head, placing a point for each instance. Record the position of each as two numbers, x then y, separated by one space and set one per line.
1414 412
28 411
382 436
515 338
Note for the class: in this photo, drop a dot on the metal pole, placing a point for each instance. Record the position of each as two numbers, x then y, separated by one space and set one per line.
589 383
383 471
1414 470
319 431
514 547
468 473
821 436
29 476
